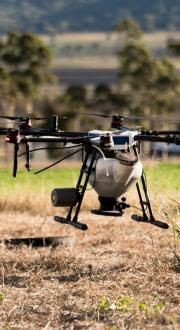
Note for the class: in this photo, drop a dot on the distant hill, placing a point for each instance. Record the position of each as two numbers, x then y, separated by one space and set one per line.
56 16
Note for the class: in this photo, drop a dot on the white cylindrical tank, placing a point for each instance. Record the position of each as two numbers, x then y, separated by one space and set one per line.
112 179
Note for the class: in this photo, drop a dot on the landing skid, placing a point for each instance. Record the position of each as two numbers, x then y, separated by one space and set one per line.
75 224
154 222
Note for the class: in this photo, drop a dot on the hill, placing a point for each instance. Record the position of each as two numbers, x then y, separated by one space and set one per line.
56 16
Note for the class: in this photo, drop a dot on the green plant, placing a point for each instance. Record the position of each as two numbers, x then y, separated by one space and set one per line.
2 296
158 307
121 304
124 303
143 307
104 303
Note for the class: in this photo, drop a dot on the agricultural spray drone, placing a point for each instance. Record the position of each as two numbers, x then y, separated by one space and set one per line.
110 164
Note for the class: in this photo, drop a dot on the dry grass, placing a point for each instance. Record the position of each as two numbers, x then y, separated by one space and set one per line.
117 275
92 62
159 36
153 40
40 202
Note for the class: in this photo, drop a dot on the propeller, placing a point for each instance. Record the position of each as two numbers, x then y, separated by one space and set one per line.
25 122
177 120
130 117
24 117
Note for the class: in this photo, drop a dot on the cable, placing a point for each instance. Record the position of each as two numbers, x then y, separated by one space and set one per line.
135 207
50 148
59 161
104 157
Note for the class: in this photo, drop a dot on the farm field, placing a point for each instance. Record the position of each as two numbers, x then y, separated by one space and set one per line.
99 50
119 274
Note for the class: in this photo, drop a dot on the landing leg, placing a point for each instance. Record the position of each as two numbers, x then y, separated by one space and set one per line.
147 214
81 188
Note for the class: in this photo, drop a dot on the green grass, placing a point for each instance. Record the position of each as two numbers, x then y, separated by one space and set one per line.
160 176
164 176
62 177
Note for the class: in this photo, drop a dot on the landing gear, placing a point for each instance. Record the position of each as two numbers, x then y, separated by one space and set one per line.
77 194
147 215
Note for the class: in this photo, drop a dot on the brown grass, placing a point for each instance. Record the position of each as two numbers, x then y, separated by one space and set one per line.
117 275
84 37
153 40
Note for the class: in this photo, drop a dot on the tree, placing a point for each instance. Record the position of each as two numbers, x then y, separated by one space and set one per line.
75 95
24 61
150 85
129 28
174 46
102 93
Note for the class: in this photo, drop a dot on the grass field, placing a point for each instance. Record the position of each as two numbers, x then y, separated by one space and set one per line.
162 173
118 275
161 177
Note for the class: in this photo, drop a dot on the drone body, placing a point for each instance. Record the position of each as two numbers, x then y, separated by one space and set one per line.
113 170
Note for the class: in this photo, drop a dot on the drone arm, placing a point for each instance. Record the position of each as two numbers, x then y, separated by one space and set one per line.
62 139
153 138
156 133
51 133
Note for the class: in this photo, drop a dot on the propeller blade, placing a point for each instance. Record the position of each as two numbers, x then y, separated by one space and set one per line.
93 114
40 118
9 117
25 116
166 120
130 117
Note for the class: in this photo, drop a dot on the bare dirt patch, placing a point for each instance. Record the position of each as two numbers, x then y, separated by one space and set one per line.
117 275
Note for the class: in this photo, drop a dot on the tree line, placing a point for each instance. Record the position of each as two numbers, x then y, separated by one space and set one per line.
147 85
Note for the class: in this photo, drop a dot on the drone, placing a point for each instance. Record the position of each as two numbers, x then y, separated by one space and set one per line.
111 164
